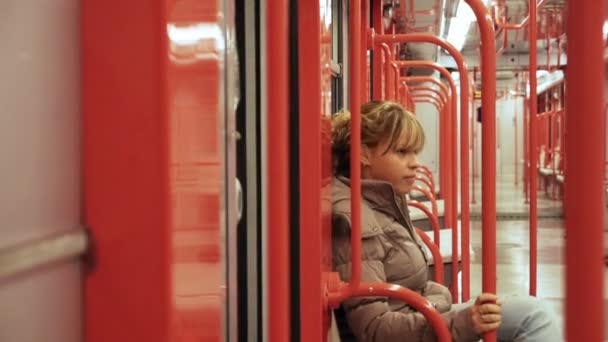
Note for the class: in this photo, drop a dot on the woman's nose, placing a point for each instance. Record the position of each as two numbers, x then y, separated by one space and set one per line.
413 162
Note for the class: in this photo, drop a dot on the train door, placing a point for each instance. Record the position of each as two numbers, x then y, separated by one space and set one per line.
159 96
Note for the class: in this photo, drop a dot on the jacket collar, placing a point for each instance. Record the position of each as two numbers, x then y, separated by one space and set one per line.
379 195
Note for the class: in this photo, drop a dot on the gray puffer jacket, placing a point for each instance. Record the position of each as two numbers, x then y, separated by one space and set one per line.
392 253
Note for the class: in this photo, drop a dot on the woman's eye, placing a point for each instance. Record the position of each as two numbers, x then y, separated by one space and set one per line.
402 151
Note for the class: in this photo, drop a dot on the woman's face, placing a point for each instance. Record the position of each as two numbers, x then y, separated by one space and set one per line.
397 165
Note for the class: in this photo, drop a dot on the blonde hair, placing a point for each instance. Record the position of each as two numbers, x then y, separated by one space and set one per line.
381 121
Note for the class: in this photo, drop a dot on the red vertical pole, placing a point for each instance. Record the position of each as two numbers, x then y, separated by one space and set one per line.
388 74
526 166
396 76
378 51
584 199
515 113
474 138
311 254
532 148
278 170
364 20
488 146
129 191
355 139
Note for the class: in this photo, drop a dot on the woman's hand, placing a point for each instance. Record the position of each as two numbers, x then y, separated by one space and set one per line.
485 313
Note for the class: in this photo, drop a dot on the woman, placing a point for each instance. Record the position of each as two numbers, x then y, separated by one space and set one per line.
391 138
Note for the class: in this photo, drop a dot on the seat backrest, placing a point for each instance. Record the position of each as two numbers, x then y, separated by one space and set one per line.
542 156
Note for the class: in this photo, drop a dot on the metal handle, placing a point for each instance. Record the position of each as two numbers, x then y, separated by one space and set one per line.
27 256
239 200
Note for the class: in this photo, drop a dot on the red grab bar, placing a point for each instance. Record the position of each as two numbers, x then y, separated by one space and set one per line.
584 198
446 122
488 148
430 196
377 68
437 258
464 157
429 97
278 161
390 91
437 105
355 140
427 181
425 170
440 94
433 218
532 145
339 292
504 25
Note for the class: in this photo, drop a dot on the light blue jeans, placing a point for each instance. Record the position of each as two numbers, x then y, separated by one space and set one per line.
524 318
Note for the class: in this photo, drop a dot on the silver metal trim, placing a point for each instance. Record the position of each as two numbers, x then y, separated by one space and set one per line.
263 93
251 192
28 256
229 97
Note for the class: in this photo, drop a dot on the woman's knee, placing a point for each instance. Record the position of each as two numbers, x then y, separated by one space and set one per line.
522 306
525 315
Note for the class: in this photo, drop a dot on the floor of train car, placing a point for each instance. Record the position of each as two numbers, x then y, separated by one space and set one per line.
513 250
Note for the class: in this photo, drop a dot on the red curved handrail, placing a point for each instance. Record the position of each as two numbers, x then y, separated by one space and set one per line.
488 50
488 146
424 89
437 258
397 80
446 168
429 178
354 287
426 182
420 79
435 104
387 71
502 24
430 196
432 218
464 170
408 96
408 296
427 171
428 97
424 178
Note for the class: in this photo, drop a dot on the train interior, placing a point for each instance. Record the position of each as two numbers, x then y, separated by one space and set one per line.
167 165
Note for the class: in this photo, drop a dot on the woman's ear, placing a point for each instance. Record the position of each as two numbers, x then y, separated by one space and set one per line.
365 156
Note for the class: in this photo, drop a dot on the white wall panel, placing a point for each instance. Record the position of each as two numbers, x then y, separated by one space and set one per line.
40 165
